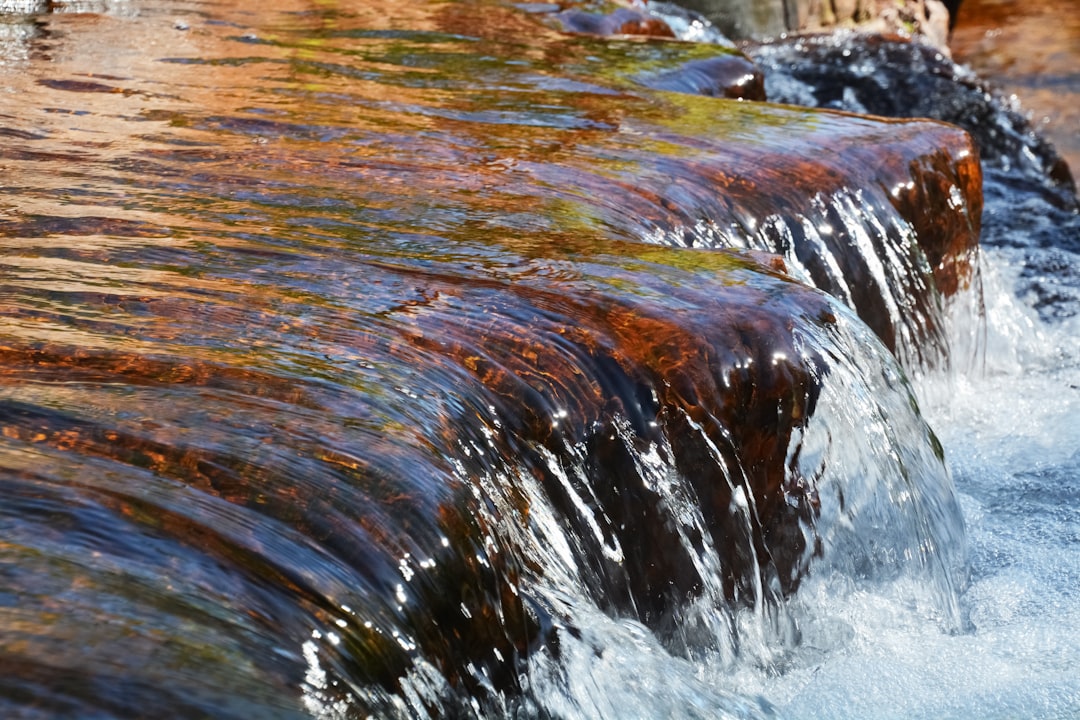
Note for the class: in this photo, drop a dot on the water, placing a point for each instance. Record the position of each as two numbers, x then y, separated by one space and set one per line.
1011 449
1013 455
1028 50
378 360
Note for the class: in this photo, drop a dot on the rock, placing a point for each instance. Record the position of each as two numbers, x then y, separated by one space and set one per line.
688 25
621 21
757 19
892 77
347 387
730 76
722 73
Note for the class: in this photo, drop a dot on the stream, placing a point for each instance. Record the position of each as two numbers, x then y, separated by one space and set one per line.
428 360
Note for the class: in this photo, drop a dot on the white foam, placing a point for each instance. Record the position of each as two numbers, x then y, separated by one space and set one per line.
871 648
1012 441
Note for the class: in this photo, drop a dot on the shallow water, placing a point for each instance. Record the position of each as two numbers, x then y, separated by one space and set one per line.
1003 415
375 359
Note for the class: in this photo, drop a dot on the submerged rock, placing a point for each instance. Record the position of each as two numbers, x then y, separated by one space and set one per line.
427 326
621 21
729 76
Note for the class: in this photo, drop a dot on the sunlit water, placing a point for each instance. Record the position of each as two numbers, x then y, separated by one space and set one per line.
1013 447
877 649
331 344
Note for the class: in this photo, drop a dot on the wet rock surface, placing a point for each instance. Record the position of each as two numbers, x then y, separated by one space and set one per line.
894 77
717 74
1031 203
621 21
337 376
728 76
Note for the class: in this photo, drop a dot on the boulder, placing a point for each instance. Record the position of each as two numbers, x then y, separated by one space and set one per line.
757 19
336 398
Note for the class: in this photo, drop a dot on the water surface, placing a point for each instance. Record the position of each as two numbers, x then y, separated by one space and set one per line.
379 359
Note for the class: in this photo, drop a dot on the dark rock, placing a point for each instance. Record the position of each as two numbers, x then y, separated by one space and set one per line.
1031 207
343 390
622 21
892 77
730 76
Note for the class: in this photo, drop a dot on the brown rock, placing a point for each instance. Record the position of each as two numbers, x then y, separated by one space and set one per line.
290 402
756 19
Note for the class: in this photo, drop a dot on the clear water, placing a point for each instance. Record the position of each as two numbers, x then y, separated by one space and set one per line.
279 287
1013 447
885 647
1006 414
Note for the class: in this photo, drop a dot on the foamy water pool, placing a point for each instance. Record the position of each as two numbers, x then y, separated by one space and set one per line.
1012 443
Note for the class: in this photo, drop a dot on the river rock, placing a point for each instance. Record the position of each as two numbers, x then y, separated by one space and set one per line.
621 21
340 365
745 19
893 77
1030 193
729 76
720 73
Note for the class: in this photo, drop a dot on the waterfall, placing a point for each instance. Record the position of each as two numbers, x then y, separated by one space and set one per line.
434 362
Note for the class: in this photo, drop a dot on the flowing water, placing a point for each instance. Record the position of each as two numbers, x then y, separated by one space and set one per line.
401 359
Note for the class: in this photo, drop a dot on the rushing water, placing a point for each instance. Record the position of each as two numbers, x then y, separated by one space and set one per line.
377 358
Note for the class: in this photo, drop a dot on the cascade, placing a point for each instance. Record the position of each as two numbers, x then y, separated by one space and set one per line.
457 360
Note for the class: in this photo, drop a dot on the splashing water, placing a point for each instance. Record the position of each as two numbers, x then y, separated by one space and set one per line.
338 380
